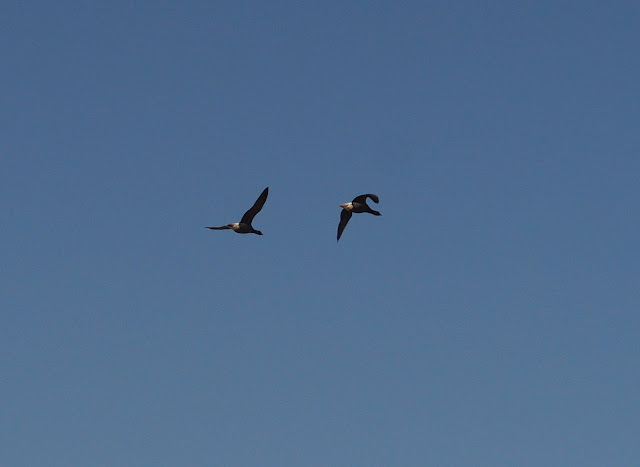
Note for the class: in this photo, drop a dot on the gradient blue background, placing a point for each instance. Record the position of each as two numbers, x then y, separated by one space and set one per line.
489 317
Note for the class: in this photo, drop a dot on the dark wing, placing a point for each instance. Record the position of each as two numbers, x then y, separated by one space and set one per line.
218 228
255 209
344 220
363 198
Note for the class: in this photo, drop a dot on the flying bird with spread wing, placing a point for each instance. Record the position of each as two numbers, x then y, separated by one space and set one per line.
358 205
244 226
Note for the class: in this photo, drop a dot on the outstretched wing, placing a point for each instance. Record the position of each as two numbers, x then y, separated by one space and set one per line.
363 198
219 228
255 209
344 220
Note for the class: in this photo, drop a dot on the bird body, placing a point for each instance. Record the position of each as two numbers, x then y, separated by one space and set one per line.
358 205
244 226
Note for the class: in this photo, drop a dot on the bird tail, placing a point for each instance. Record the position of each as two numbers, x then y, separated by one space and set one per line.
375 213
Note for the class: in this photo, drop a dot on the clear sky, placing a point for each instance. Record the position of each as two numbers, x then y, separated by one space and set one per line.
489 317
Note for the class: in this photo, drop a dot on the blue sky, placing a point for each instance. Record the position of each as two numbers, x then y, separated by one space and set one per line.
488 317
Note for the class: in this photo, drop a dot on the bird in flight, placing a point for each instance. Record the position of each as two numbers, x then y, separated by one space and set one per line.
359 204
244 226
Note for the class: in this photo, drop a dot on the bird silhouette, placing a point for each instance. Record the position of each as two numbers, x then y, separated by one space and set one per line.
358 205
244 226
